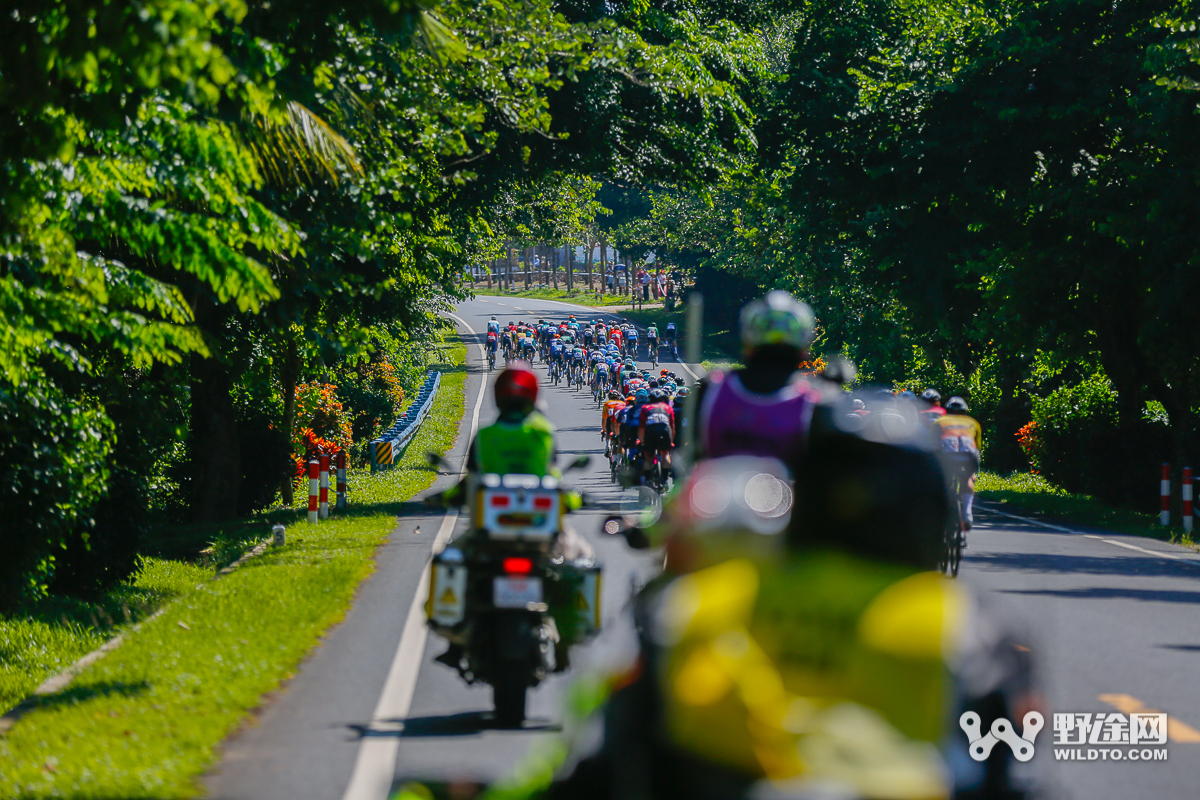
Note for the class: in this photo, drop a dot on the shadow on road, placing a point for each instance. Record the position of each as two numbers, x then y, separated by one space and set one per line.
1117 564
1103 593
467 723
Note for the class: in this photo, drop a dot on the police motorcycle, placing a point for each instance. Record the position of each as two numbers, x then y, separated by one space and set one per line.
508 596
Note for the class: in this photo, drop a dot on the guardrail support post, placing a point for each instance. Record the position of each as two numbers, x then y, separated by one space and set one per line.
1164 490
1187 499
341 479
323 486
314 479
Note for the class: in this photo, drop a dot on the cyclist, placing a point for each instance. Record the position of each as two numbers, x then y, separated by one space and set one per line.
599 375
557 354
934 411
670 333
679 406
528 348
766 408
493 325
577 363
493 342
961 440
656 430
616 338
631 340
611 406
652 342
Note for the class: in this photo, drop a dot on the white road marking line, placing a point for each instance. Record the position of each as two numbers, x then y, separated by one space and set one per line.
375 766
1159 553
1144 550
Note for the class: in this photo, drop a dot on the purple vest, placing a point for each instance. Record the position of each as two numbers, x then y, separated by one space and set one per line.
736 421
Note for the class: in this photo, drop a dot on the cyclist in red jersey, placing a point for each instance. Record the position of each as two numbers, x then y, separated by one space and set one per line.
656 429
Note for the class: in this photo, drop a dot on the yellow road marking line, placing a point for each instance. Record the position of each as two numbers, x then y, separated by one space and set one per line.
1177 731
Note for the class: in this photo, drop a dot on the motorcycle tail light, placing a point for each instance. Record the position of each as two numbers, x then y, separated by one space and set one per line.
518 566
500 501
542 502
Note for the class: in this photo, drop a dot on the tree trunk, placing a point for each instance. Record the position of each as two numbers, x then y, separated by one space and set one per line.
553 264
604 269
587 259
216 460
528 263
569 254
289 372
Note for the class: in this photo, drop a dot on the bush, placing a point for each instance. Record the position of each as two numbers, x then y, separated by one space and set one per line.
54 453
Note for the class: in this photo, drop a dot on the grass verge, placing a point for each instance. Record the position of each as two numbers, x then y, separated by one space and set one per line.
144 721
580 297
1035 497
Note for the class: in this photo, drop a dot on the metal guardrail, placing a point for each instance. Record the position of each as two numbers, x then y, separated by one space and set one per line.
387 448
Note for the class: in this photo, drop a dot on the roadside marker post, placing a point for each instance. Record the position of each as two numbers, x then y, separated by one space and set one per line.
1164 490
1187 499
323 486
314 480
341 480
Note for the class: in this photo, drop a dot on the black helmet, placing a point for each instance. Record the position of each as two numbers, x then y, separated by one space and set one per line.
653 383
657 395
956 405
613 394
877 493
931 396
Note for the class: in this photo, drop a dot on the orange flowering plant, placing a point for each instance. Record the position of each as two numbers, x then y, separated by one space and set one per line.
323 425
1029 439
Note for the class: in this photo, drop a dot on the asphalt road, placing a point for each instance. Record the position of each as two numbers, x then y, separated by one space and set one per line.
1110 620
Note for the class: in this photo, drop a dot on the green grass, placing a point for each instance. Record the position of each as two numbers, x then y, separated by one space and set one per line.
1032 495
144 721
580 297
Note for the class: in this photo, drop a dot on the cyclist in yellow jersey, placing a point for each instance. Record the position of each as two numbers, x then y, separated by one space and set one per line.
961 440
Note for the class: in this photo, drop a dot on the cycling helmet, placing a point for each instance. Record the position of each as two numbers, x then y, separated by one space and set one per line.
642 395
664 372
658 395
683 391
510 322
613 394
493 317
779 319
631 399
931 396
653 383
956 405
516 388
908 395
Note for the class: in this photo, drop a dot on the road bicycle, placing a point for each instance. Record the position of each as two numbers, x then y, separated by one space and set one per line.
653 348
554 370
954 535
491 358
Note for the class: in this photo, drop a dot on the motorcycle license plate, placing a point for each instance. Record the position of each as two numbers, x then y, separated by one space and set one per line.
516 592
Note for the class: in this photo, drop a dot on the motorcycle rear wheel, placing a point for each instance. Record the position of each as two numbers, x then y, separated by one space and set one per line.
508 693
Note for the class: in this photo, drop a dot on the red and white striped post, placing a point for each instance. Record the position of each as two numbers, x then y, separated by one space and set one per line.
314 480
1187 499
323 487
341 479
1164 490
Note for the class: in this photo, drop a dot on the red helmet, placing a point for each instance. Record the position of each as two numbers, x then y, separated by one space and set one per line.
516 386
